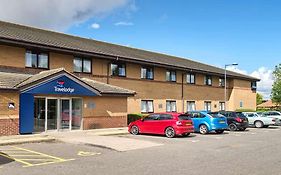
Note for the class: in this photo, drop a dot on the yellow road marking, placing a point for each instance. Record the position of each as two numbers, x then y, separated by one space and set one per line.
83 153
34 156
57 158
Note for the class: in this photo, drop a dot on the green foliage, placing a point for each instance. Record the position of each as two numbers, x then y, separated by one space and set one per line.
259 98
134 117
276 88
245 110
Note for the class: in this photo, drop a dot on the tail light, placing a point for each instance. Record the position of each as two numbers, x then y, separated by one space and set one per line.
274 120
179 123
238 119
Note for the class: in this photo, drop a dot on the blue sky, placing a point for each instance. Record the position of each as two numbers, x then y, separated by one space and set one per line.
215 32
211 31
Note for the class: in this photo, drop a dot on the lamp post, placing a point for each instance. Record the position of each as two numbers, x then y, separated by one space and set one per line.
225 66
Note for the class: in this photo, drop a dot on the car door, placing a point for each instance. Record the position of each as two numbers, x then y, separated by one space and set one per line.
195 116
164 121
149 124
251 118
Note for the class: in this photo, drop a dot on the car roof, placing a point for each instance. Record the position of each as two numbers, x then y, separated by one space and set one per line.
174 114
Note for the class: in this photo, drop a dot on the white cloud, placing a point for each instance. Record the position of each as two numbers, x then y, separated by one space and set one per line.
57 14
95 26
264 86
123 23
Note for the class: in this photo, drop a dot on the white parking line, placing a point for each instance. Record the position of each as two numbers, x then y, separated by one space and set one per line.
194 141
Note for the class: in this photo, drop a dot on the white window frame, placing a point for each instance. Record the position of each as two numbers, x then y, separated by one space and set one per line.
171 106
190 106
147 106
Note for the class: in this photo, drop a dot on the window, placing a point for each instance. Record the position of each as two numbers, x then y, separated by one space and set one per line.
222 106
147 106
190 78
191 106
82 65
171 106
118 69
165 117
208 80
36 59
152 117
147 73
196 115
171 75
241 104
254 85
221 82
207 106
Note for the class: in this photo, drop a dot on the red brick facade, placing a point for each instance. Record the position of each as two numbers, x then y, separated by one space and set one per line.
9 127
104 122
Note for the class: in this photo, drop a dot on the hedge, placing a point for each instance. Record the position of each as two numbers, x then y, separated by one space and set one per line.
134 117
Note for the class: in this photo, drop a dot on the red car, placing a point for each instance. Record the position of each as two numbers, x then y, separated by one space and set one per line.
169 124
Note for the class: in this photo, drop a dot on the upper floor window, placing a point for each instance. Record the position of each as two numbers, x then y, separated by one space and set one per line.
147 73
254 85
208 80
171 106
171 75
221 82
222 106
82 65
36 59
118 69
190 78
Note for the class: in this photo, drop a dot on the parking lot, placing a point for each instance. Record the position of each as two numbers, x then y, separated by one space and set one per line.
254 151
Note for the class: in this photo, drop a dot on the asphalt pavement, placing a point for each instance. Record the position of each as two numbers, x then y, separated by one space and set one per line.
255 151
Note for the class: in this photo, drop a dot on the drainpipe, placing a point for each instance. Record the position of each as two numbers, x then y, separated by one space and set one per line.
182 95
107 74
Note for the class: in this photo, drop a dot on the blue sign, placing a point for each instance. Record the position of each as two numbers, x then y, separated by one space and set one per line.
62 86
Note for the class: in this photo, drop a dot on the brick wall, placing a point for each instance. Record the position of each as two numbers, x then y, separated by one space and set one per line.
9 127
104 122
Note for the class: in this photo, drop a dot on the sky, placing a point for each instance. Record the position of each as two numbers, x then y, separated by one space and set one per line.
215 32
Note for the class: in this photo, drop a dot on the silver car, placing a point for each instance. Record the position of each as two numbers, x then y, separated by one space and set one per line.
259 121
273 114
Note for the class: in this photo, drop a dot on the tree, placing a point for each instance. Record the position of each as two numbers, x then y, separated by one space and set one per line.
259 98
276 87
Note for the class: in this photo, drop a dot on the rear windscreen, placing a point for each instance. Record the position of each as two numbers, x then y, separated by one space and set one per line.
239 114
184 117
215 114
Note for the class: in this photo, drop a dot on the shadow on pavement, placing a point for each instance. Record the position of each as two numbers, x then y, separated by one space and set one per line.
4 159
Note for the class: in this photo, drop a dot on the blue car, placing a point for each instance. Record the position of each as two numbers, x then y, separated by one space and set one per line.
205 123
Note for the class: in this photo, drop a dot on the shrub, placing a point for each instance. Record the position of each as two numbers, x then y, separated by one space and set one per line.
245 110
134 117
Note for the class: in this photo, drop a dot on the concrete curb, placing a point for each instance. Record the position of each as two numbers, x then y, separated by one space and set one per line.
23 140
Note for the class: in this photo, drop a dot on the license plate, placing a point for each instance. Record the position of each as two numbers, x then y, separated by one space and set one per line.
222 121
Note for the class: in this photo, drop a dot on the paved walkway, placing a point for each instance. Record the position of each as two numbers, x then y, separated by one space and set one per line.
106 138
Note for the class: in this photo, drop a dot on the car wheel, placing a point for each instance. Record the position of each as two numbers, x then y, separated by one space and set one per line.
265 126
258 124
170 132
203 129
134 130
232 127
219 131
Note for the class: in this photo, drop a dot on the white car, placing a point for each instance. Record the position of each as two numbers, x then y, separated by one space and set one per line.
259 121
273 114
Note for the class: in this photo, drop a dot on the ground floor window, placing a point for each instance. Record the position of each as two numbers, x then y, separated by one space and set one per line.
207 106
171 106
191 106
147 106
222 106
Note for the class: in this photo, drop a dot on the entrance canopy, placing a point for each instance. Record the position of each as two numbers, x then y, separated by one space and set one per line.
57 83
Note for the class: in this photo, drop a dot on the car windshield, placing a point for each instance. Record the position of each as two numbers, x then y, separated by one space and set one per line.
215 114
184 117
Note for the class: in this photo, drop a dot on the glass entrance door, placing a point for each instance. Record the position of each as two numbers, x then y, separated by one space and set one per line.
65 114
52 114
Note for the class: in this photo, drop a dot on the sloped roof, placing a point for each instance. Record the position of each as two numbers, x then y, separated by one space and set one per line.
40 37
267 104
16 81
